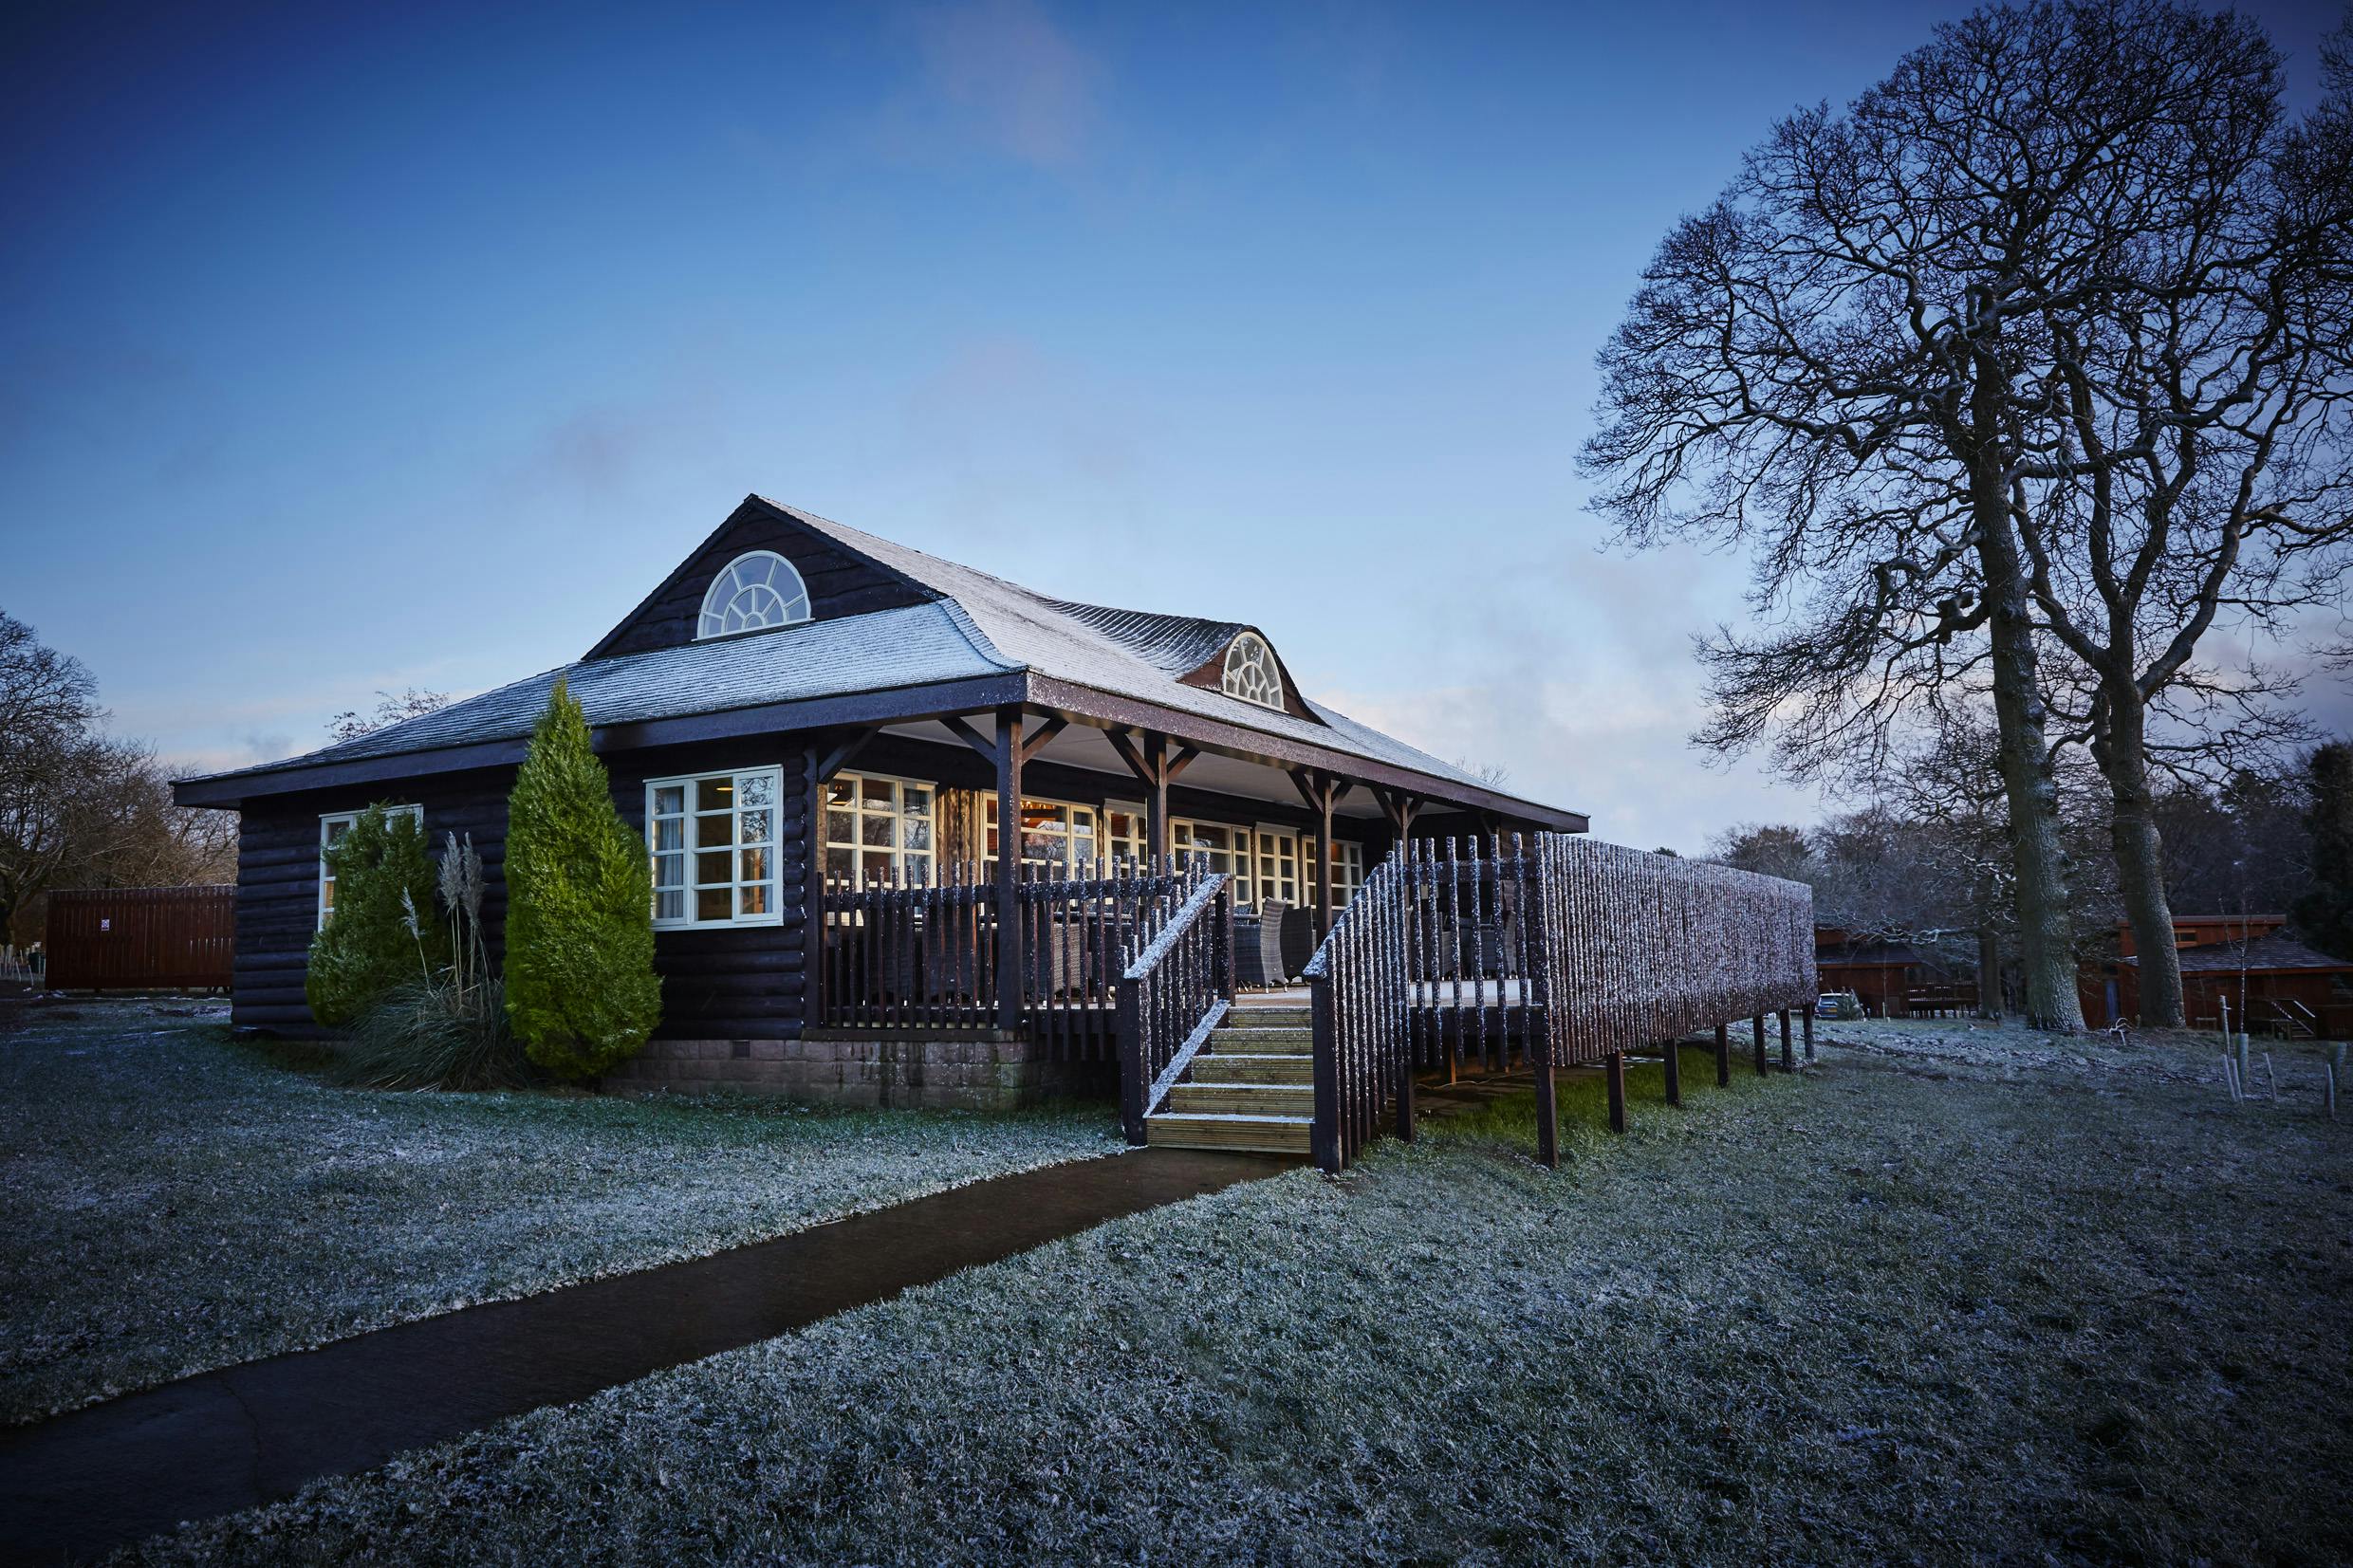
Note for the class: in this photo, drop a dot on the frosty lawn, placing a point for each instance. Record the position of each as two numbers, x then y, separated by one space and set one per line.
1954 1298
178 1202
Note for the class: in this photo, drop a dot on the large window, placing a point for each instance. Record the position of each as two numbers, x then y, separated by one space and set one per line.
879 828
1221 848
755 591
1126 831
1060 833
1279 865
1250 672
333 827
713 841
1347 869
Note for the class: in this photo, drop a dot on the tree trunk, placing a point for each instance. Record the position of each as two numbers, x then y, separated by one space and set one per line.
2123 755
1989 972
2046 939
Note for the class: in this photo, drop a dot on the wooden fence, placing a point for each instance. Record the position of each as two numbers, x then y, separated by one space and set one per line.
142 938
1579 951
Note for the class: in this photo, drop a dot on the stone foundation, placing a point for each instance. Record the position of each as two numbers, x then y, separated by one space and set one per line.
979 1070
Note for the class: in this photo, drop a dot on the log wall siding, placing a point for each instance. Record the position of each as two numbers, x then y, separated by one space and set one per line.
838 583
723 983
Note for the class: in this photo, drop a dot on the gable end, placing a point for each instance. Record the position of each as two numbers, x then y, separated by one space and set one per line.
840 581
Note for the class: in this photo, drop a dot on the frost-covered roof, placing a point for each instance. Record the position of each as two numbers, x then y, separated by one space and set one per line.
2264 952
913 646
978 626
1074 642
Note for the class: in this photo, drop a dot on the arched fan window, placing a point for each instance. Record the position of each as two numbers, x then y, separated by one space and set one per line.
758 590
1250 672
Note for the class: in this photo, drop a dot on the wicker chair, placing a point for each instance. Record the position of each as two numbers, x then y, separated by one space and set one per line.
1298 939
1258 947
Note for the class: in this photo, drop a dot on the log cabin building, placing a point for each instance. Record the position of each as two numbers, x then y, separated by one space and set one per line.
825 737
2269 982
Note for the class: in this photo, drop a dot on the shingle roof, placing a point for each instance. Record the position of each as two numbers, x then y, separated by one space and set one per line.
2264 952
980 625
913 646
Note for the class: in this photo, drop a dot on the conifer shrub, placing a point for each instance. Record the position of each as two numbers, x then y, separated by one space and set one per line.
367 946
581 994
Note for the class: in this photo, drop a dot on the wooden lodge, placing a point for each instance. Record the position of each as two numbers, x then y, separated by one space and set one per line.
920 836
806 719
2269 982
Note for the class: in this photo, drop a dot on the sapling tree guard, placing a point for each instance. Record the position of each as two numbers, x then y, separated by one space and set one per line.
1861 362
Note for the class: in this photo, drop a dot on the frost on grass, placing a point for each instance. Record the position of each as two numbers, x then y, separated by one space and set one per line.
1883 1311
177 1202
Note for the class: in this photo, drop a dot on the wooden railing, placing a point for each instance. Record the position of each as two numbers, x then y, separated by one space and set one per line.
1473 947
1359 990
1174 989
1578 952
906 955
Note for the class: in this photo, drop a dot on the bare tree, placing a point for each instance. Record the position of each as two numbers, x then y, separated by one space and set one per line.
49 705
1848 363
351 724
2201 401
77 807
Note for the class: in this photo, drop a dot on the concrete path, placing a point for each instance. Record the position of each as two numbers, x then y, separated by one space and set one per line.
77 1485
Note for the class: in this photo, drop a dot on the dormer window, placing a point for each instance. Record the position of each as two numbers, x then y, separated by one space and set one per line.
758 590
1250 671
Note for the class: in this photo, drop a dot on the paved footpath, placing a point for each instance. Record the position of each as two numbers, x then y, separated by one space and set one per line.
77 1485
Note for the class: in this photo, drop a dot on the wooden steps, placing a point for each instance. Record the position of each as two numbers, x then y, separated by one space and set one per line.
1252 1087
1248 1135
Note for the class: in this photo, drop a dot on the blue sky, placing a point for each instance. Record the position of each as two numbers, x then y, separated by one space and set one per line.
354 349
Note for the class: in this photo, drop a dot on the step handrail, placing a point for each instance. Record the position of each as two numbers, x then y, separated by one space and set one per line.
1176 986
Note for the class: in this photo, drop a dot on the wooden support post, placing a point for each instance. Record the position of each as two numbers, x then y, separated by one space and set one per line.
1758 1022
1616 1091
1321 792
1810 1031
1547 1105
1156 770
1009 965
1723 1056
1675 1073
1155 799
1789 1062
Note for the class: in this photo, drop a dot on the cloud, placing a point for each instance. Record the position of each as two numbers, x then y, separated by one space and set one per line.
1002 70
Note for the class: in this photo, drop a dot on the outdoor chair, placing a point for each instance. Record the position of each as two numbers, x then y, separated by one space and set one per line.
1298 939
1258 947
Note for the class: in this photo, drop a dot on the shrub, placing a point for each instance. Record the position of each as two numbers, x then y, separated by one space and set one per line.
434 1035
580 988
367 946
447 1029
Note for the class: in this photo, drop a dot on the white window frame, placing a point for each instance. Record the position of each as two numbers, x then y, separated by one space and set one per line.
688 851
1066 832
1131 847
329 822
1347 868
1250 655
918 864
779 579
1238 855
1282 863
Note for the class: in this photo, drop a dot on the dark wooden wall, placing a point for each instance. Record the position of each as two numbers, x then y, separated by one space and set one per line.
839 584
736 983
727 983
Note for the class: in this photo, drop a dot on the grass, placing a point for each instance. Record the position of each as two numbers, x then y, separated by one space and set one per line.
177 1201
1954 1296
